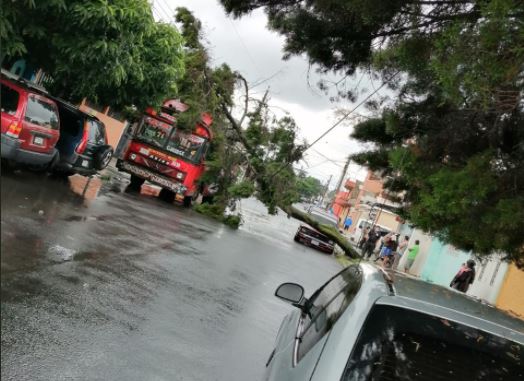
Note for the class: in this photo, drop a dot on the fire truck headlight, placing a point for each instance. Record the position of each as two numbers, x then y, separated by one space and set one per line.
132 156
180 175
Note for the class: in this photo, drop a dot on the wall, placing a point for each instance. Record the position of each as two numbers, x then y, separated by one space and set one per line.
420 260
442 263
372 184
340 207
490 274
511 296
439 262
388 220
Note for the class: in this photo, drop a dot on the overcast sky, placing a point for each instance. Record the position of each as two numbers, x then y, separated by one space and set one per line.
248 47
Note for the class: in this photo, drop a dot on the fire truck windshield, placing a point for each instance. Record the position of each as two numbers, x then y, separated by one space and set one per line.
154 132
188 146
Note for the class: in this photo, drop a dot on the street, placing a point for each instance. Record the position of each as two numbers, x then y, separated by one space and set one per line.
130 288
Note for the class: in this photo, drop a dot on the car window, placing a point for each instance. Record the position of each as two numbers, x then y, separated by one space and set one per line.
9 99
313 233
399 344
154 132
327 305
41 113
96 133
186 145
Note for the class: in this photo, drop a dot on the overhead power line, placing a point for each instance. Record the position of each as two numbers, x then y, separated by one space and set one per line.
169 13
340 120
347 114
245 47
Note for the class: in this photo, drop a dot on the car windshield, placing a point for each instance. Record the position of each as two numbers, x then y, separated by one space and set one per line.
188 146
41 113
154 132
324 219
405 345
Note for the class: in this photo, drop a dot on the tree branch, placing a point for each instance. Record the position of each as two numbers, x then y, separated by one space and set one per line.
434 20
237 128
328 231
246 103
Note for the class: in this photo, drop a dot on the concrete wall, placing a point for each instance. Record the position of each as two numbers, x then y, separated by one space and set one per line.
438 263
490 274
442 263
420 260
511 296
388 220
372 184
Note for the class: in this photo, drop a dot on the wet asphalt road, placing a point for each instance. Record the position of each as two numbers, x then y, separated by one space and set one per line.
129 288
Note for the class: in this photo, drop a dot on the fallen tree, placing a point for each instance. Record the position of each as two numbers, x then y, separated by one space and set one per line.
328 231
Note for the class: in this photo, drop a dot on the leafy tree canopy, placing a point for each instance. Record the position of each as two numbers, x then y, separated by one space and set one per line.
308 187
453 140
112 52
249 156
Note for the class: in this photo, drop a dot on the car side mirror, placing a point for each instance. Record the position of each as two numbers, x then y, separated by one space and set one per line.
290 292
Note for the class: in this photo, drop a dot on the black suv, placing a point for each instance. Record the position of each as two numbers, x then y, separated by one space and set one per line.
83 142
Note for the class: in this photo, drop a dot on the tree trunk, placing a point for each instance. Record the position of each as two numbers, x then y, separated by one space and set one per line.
328 231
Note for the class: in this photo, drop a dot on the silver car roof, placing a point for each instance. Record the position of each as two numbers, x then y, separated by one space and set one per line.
418 295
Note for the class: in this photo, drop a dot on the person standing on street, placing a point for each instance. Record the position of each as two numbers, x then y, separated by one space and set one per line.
412 254
390 253
464 277
370 244
400 251
385 244
347 223
364 238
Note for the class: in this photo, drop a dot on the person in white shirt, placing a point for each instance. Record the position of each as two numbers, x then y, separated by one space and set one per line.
402 246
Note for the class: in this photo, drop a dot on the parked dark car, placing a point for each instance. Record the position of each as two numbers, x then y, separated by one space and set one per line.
309 236
83 142
30 125
313 238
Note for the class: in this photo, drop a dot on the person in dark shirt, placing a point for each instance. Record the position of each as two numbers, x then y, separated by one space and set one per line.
370 244
464 277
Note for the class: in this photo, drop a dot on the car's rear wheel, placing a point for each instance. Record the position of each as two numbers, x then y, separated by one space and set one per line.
167 195
135 185
103 157
296 238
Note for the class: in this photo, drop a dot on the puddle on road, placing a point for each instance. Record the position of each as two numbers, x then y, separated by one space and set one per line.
61 252
77 218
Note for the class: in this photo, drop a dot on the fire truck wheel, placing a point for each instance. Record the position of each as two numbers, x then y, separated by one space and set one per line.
167 195
135 185
188 200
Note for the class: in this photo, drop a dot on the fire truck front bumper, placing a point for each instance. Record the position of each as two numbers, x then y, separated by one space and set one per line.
154 178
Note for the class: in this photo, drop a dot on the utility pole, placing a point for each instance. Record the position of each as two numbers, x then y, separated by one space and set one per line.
343 175
341 179
326 189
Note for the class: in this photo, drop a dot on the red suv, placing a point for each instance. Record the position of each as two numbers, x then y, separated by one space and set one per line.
30 125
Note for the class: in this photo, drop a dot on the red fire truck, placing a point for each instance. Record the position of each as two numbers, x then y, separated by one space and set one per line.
165 155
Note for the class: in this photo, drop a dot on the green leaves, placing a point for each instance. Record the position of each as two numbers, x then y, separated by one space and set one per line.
453 141
112 52
309 187
242 189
